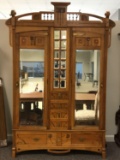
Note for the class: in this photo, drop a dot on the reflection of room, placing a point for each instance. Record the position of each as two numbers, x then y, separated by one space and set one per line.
32 68
31 86
87 76
87 109
87 70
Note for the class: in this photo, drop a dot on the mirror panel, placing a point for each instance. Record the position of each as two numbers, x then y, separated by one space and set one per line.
87 77
31 86
60 43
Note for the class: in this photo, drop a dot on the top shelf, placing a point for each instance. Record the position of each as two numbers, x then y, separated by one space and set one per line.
60 17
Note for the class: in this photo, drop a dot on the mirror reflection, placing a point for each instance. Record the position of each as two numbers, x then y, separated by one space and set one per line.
87 72
31 86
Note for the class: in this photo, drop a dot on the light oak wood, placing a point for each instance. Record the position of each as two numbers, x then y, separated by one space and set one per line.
58 132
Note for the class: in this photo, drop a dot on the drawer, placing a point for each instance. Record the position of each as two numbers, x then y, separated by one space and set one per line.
86 139
30 138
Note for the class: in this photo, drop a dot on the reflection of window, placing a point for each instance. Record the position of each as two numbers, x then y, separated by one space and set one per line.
34 69
79 70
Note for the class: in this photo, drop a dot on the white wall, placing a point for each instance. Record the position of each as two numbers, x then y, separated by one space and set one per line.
113 82
6 72
116 15
113 79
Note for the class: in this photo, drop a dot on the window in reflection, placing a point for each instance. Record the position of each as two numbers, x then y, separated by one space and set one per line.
32 69
87 87
31 86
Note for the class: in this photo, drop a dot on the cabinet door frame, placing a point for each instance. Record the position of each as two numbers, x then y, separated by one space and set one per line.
89 33
16 59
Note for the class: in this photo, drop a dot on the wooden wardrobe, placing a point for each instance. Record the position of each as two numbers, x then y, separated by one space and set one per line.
59 80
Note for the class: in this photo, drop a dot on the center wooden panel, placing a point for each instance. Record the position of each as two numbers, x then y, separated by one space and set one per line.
59 115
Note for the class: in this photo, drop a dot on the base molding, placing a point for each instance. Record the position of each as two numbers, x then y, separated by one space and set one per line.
109 138
9 137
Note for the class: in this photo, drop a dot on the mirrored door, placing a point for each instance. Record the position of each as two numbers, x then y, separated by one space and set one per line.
31 88
87 80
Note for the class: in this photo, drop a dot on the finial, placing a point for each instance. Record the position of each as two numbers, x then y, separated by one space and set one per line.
13 13
107 14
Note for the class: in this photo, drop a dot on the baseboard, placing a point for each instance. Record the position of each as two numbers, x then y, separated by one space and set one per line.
109 138
9 137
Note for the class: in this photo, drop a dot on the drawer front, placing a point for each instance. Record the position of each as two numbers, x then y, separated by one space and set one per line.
30 138
86 139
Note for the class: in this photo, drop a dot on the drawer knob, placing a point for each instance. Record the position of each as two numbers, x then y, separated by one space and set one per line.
17 84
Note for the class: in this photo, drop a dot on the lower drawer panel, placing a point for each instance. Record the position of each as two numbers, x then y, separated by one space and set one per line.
31 140
27 138
86 139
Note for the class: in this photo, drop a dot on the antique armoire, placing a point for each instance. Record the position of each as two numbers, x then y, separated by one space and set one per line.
59 80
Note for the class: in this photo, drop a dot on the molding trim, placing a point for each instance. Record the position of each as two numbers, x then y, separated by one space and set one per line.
109 138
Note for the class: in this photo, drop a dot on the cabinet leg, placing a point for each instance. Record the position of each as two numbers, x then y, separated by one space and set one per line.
104 154
13 152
